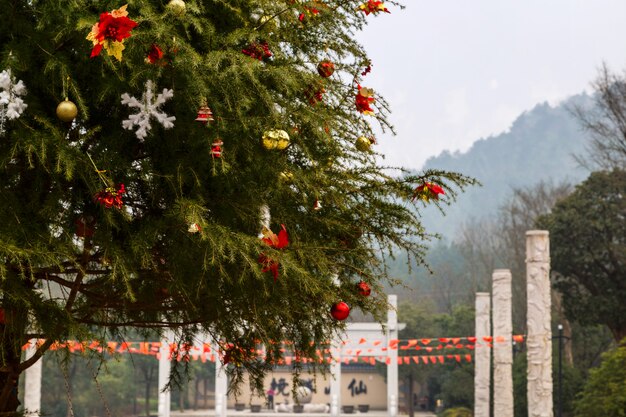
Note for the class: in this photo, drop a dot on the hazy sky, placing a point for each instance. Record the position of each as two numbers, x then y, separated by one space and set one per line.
458 70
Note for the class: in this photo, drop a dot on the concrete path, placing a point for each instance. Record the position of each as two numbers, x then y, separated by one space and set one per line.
267 413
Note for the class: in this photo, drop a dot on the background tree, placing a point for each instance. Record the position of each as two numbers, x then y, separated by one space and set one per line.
121 213
588 237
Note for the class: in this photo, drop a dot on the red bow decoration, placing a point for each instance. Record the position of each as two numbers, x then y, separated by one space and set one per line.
428 190
110 197
279 241
156 56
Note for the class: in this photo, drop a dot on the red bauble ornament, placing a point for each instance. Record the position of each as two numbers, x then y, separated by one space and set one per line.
85 226
364 288
340 311
204 114
326 68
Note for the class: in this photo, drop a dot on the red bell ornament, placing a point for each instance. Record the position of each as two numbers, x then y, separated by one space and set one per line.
364 288
216 148
340 311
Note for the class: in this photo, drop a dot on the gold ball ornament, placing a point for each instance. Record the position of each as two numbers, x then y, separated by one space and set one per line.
363 144
177 7
286 177
275 139
67 111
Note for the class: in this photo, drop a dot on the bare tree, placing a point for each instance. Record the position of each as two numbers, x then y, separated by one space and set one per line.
605 121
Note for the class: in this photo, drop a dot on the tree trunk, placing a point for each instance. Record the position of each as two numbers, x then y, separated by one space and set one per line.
410 399
147 393
195 394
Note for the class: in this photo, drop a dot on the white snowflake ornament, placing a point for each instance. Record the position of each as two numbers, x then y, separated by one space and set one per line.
11 104
148 107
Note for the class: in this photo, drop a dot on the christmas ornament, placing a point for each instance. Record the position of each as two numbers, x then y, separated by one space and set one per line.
111 197
364 144
277 242
308 13
11 104
364 99
177 7
194 228
67 111
110 31
275 139
156 56
427 190
148 107
367 70
286 177
374 7
258 51
85 226
205 114
340 311
363 288
314 94
216 148
317 206
326 68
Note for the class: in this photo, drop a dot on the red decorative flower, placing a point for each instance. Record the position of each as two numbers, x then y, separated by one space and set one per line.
315 94
110 197
428 190
308 12
374 7
110 31
155 55
258 51
277 242
364 100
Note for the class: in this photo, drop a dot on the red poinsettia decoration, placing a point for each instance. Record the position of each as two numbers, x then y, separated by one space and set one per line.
308 12
364 99
258 51
279 241
428 190
374 7
110 31
111 197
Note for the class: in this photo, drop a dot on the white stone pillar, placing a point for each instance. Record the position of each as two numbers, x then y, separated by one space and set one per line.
539 339
502 346
164 374
482 356
221 385
335 378
392 354
32 383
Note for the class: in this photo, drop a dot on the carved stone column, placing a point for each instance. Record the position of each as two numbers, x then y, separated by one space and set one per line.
482 355
502 346
539 339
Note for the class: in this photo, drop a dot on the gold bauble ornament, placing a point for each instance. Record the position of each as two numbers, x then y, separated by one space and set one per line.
286 177
275 139
67 111
363 144
177 7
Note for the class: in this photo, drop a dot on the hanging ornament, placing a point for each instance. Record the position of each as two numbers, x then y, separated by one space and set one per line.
177 7
258 51
308 13
279 241
67 111
156 56
317 206
364 99
275 139
110 31
325 68
374 7
340 311
111 196
427 190
363 288
216 148
148 107
85 226
314 94
205 114
194 228
286 177
11 104
364 144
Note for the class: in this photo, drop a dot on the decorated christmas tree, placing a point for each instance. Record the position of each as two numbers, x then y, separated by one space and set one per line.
205 166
